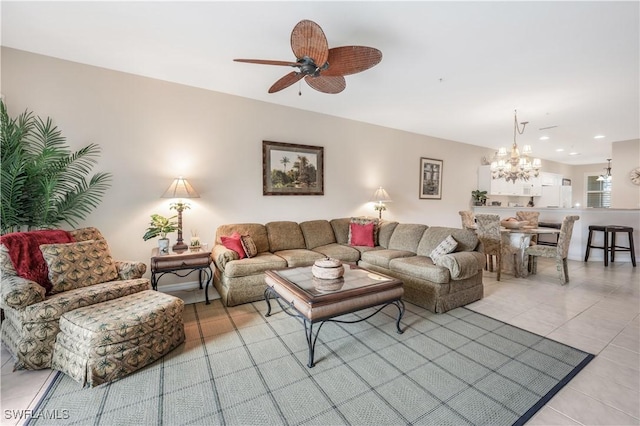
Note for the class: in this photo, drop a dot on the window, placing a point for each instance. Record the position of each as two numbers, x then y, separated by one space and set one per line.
598 192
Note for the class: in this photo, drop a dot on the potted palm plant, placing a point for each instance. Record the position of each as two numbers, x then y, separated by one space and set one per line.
160 226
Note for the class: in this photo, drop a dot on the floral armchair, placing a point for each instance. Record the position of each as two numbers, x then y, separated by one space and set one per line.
83 273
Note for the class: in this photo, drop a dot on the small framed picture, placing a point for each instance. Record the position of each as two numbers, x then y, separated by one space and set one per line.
292 169
430 179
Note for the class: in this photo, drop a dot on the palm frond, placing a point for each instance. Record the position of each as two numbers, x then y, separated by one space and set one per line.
43 181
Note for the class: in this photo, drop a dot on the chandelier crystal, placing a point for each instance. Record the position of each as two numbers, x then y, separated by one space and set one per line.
514 165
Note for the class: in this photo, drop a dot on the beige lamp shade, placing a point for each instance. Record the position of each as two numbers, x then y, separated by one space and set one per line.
381 196
180 188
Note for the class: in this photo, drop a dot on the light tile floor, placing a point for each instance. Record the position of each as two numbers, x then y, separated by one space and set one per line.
598 312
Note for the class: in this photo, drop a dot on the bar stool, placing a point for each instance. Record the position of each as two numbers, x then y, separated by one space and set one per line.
610 249
614 229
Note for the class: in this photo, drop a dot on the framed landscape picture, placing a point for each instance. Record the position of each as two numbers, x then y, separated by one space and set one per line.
291 169
430 179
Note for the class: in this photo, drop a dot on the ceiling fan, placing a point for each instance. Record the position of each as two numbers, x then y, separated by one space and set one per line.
322 68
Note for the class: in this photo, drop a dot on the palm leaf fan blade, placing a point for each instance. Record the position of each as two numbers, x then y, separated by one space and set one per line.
332 85
348 60
286 81
308 39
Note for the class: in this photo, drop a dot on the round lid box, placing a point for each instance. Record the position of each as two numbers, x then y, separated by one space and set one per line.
327 269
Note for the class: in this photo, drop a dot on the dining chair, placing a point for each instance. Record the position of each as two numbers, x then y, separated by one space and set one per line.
468 219
488 232
559 252
532 218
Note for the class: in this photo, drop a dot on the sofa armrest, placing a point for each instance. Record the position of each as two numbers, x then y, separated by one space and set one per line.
221 255
130 269
462 264
18 292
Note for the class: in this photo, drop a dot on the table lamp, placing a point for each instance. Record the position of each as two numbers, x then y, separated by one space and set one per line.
380 197
180 189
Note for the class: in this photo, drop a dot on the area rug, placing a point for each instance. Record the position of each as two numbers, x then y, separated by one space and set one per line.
239 367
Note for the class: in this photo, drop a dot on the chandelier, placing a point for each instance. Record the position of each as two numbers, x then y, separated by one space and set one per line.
515 165
606 177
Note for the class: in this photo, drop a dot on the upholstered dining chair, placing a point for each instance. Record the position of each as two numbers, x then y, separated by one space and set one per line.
532 218
468 219
559 252
488 232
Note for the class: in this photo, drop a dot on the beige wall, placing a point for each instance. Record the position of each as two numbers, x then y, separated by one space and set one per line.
626 157
152 131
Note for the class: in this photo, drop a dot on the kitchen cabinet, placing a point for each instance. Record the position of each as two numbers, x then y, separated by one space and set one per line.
550 179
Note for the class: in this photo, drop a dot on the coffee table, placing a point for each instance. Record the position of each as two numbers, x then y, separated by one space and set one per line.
313 300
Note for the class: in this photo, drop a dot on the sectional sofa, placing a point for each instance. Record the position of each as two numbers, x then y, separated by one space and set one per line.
403 251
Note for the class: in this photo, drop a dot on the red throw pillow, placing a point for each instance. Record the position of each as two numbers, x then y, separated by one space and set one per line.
362 235
234 243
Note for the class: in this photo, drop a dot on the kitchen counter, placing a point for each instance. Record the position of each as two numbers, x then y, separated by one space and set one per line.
588 217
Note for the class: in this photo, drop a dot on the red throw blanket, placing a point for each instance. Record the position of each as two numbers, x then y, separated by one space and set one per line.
25 254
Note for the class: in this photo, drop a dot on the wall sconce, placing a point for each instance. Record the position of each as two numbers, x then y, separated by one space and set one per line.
380 197
180 189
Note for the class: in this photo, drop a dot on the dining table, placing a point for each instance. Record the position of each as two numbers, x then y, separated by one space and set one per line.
514 243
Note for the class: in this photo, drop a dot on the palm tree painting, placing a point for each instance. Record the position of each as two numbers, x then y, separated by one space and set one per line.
290 169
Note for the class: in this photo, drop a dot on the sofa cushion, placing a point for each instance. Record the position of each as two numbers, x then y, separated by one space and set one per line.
299 257
446 246
257 231
340 252
79 264
421 267
85 234
361 234
53 307
382 257
341 229
462 265
467 240
255 265
232 242
406 236
385 232
248 245
317 233
284 235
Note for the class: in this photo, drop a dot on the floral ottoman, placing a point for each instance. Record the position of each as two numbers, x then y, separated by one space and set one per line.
109 340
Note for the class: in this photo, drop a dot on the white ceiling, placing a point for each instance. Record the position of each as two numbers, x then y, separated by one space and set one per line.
454 70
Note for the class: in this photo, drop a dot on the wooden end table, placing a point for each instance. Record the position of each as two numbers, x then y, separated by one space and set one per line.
301 295
181 265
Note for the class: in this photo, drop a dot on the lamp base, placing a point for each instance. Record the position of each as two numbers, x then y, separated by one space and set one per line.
179 247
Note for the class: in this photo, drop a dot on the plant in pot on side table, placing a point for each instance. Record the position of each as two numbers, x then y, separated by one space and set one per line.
161 226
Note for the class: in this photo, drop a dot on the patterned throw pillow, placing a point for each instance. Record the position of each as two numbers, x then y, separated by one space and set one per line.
365 221
447 245
79 264
248 245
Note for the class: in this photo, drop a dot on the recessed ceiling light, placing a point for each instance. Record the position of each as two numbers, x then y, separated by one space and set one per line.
574 153
560 150
598 136
544 138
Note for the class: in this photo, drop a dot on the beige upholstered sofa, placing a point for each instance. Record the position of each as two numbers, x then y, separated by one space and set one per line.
32 317
401 251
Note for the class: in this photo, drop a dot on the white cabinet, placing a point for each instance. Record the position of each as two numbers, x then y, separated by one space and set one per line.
550 179
521 188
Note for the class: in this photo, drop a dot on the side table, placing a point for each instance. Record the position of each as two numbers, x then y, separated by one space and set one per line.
181 265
